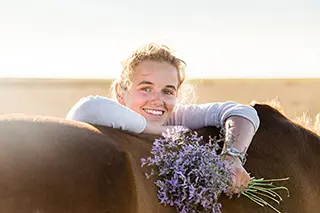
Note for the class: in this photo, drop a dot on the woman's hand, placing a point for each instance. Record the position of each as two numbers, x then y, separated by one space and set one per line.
241 178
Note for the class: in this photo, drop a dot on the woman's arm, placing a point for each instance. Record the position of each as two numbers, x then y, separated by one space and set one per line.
106 112
239 133
212 114
103 111
239 121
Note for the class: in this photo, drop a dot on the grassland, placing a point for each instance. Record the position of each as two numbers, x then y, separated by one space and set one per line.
54 97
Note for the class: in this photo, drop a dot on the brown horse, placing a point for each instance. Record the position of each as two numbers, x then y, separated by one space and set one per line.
50 165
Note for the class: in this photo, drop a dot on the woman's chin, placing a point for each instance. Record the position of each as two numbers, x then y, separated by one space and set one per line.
160 121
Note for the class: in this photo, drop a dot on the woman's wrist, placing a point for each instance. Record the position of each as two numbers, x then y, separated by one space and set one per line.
233 153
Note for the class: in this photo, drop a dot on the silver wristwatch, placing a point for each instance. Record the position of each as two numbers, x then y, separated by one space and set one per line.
235 153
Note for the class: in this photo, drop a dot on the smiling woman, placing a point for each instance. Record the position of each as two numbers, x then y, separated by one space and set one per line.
146 101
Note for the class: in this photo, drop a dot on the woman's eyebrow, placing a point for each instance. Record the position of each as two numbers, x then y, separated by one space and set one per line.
145 82
150 83
172 87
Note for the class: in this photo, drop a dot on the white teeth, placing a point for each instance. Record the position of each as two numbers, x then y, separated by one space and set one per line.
154 112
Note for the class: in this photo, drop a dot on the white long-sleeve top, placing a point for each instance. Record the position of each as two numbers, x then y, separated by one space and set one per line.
104 111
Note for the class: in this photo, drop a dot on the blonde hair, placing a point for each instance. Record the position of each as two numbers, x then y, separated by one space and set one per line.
153 52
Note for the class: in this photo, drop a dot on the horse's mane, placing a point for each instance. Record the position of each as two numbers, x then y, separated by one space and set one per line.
304 120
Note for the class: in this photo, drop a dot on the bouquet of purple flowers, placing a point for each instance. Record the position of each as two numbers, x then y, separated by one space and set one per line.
191 176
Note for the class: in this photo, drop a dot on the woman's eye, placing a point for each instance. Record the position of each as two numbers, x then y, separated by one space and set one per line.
146 89
168 92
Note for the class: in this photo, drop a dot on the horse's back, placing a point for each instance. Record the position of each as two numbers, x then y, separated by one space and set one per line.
51 165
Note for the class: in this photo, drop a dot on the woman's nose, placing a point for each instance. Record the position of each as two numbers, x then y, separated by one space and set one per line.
158 99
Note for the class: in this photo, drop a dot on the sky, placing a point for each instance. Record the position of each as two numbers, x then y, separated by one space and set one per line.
217 39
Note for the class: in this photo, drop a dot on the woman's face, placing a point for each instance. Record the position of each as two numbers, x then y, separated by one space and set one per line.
153 91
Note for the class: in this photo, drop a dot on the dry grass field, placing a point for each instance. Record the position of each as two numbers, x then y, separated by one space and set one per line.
54 97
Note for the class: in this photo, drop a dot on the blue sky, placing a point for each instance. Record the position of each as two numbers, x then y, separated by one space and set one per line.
217 39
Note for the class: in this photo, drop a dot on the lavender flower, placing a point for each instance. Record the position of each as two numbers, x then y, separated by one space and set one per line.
191 176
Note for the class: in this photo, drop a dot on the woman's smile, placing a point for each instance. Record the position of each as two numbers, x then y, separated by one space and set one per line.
154 112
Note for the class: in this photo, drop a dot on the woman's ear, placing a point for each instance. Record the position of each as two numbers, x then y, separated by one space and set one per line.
119 94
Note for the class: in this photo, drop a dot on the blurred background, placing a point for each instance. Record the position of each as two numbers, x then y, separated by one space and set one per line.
53 52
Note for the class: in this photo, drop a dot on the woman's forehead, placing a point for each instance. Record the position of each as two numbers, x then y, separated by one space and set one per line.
156 72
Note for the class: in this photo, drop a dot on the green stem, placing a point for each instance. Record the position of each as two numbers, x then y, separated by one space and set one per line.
265 195
260 184
264 202
253 199
269 180
270 192
257 197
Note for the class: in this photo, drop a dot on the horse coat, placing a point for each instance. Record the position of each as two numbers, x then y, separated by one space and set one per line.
50 165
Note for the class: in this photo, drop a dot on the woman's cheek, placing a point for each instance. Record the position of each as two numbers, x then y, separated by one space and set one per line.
141 95
171 102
